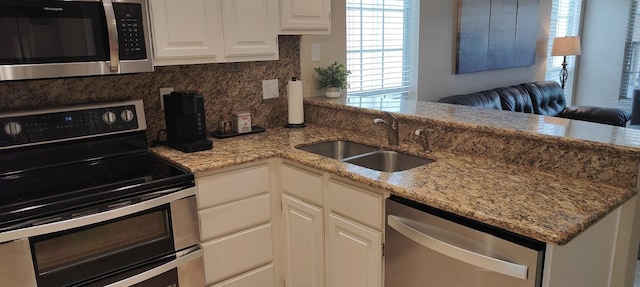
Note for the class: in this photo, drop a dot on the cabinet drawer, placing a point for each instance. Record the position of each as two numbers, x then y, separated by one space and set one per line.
235 216
262 276
231 186
302 184
237 253
355 203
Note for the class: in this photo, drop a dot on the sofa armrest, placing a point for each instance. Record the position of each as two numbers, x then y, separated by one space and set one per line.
610 116
485 99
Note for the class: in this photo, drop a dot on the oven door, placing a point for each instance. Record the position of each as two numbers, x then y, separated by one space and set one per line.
156 247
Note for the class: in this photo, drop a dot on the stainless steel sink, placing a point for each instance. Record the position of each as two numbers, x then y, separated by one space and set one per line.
366 156
388 161
338 149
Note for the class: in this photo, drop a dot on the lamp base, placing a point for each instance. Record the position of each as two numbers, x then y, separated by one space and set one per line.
564 73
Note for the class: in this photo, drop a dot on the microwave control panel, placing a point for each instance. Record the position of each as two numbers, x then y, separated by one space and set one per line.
130 31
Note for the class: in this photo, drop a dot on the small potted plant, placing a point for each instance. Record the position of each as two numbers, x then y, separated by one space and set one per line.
333 78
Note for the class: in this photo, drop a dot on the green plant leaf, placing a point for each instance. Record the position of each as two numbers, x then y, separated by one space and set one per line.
335 75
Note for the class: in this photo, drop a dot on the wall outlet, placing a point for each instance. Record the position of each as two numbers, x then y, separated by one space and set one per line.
164 91
270 89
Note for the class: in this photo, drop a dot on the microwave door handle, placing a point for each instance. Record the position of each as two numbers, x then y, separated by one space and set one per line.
112 30
403 226
182 257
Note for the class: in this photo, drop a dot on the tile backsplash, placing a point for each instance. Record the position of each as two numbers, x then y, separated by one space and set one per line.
226 87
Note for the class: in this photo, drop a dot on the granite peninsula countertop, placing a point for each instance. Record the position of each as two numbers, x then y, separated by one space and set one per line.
543 206
472 117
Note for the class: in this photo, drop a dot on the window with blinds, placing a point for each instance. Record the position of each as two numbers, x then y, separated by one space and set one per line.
382 49
565 21
631 65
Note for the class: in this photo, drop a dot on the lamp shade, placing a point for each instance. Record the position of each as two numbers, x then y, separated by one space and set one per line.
565 46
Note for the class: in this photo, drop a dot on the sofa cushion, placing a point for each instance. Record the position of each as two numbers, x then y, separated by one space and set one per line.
485 99
515 99
610 116
547 97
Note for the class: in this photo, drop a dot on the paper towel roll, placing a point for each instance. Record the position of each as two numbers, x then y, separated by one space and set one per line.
296 110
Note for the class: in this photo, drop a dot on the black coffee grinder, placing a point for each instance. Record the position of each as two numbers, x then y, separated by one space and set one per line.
185 120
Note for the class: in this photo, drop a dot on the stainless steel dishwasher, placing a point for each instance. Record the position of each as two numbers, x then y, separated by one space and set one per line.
427 247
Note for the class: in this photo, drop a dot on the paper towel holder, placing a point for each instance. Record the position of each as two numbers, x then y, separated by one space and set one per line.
295 126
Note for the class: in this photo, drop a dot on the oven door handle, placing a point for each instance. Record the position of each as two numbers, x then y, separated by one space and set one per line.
182 257
92 218
403 226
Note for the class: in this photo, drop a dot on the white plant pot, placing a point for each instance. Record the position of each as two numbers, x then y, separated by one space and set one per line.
332 92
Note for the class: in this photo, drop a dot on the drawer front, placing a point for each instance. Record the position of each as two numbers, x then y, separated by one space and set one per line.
355 203
235 216
231 186
262 276
237 253
304 185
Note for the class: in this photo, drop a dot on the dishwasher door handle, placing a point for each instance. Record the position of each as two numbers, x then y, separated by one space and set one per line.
470 257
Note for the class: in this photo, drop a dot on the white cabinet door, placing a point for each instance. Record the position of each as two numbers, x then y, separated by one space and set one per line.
185 29
354 257
303 226
250 30
305 16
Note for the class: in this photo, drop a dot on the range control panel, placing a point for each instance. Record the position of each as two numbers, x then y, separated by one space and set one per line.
72 122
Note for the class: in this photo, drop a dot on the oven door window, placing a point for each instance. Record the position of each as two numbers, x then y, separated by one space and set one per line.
120 246
35 32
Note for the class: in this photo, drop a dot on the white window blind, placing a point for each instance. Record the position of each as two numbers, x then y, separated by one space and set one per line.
382 48
565 21
631 68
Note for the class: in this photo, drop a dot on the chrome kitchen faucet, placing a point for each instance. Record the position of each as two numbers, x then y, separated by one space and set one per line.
392 128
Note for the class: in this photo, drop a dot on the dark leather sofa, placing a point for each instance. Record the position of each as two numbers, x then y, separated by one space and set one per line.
542 98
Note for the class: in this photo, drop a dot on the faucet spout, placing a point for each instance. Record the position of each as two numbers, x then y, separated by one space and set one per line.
391 128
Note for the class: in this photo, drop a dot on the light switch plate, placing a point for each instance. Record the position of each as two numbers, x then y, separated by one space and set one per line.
315 52
270 89
164 91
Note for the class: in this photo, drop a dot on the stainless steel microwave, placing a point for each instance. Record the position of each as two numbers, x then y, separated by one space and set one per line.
69 38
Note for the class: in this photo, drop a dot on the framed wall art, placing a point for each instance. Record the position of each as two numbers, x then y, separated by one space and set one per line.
496 34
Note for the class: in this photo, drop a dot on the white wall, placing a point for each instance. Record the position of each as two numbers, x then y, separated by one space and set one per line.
332 48
438 54
602 42
438 21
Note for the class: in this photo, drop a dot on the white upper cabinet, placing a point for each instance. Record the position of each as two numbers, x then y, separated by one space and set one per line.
213 31
250 30
305 17
185 31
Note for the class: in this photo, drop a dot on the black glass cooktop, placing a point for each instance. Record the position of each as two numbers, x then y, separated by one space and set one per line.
45 190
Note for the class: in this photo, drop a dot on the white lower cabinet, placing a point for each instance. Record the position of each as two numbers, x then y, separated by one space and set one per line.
262 277
234 209
354 254
303 230
338 243
237 253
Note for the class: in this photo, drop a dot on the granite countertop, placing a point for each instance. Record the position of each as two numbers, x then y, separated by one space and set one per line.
543 206
473 117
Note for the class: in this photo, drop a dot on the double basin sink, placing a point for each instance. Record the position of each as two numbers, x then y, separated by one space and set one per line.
367 156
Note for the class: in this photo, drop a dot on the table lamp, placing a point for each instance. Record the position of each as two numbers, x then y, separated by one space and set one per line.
565 46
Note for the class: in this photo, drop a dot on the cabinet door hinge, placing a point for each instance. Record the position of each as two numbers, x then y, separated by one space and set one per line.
382 249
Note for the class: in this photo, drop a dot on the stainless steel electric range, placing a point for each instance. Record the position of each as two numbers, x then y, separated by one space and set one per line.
83 203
